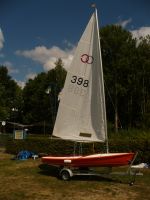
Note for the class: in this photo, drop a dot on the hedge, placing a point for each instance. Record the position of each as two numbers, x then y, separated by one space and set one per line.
61 147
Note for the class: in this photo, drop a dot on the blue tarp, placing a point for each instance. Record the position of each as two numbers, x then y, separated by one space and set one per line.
24 155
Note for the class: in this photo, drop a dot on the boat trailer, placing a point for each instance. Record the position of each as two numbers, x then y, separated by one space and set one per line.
66 172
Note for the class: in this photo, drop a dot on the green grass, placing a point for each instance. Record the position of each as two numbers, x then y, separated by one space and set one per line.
29 180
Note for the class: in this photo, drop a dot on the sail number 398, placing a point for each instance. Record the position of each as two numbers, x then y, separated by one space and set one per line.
80 81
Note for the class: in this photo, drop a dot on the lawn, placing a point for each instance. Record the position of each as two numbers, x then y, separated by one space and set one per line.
32 181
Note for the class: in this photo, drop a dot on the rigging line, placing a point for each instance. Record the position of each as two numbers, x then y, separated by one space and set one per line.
74 149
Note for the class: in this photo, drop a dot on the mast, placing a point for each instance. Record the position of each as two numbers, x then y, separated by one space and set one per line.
99 45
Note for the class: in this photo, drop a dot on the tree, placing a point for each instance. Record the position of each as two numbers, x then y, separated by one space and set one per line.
41 94
119 52
10 96
143 66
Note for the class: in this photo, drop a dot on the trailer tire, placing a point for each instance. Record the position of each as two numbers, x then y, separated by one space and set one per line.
65 174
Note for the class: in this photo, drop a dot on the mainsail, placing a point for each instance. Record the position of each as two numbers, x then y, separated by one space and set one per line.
82 115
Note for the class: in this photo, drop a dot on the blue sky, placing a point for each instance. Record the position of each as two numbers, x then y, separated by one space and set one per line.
35 33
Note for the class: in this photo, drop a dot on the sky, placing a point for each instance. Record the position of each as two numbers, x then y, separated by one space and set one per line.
35 33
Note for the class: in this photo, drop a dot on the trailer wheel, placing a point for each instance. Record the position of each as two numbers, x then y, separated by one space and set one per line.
65 175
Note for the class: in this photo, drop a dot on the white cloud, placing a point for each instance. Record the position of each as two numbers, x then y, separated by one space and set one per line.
124 23
21 83
47 57
141 32
10 67
1 39
7 64
31 76
137 33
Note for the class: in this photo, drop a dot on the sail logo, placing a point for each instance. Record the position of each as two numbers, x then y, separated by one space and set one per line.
85 58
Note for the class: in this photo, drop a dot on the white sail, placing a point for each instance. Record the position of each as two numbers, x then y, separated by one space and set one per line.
81 115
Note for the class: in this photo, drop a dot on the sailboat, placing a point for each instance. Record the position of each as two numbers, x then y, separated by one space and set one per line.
81 114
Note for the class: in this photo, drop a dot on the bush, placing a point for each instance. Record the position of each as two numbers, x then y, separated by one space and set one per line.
61 147
4 138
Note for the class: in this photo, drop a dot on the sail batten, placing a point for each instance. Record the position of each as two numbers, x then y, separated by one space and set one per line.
81 115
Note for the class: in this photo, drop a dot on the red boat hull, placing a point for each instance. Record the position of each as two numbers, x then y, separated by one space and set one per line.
95 160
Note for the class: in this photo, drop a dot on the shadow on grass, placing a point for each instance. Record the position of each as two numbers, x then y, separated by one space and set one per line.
53 171
99 178
49 170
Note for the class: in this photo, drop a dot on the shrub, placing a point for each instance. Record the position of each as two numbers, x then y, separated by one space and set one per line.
61 147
